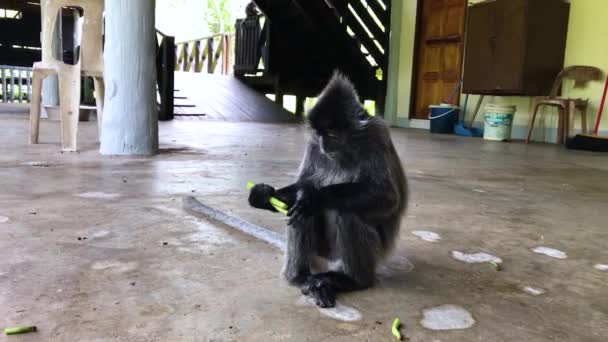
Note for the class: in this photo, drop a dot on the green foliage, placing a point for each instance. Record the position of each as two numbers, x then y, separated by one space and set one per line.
220 15
193 19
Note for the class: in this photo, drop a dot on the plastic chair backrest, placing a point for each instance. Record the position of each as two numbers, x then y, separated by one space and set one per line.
580 74
91 54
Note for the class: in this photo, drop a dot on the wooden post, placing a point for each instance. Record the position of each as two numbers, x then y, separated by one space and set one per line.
165 72
278 92
50 85
130 118
380 102
210 56
278 98
300 105
226 65
186 60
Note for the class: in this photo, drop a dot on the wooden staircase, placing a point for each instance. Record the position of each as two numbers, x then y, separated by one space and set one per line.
309 39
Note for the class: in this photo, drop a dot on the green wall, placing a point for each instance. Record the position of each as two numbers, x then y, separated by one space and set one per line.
586 45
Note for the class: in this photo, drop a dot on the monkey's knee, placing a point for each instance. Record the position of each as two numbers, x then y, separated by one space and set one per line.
294 275
296 268
360 248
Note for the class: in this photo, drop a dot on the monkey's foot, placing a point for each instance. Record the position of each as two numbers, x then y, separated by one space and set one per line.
321 290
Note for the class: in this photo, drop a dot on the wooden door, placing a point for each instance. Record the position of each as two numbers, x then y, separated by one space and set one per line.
439 54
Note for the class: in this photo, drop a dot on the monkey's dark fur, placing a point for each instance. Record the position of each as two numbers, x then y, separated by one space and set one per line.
348 200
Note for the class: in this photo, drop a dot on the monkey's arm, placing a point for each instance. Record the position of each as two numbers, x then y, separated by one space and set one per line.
359 196
288 194
260 195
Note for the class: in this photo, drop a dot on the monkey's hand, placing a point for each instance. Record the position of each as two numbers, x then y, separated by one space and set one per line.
308 204
259 197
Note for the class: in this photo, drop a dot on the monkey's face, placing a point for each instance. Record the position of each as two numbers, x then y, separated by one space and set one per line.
332 142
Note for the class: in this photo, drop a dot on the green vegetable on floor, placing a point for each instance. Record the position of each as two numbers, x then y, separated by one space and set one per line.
496 265
395 328
279 205
19 330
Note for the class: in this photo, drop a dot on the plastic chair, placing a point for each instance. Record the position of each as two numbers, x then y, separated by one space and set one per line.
89 63
567 107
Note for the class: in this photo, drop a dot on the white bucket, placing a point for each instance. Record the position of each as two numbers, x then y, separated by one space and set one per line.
498 122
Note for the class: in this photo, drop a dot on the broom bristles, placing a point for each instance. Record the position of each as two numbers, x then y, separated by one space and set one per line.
588 143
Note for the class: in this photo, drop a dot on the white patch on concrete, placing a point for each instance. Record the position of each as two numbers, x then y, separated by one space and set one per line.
207 237
479 191
340 312
534 291
447 317
101 234
552 252
475 258
98 195
114 266
601 267
427 236
395 264
4 219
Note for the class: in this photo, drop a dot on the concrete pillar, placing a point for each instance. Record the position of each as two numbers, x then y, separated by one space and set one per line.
130 116
392 75
50 86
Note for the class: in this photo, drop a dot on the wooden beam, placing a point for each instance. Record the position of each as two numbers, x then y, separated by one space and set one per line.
22 5
130 122
365 39
370 23
380 12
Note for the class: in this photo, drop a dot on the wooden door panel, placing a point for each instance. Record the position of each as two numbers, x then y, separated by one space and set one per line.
432 59
439 53
434 19
432 89
430 79
451 62
454 23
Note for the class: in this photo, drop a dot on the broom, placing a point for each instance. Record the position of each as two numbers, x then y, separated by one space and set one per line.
591 142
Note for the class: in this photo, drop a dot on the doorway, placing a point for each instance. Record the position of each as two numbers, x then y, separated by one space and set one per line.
439 52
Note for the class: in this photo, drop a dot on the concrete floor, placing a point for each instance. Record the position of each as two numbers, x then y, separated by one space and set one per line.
149 272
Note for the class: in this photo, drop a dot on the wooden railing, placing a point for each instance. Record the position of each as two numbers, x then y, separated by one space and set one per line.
165 71
15 84
206 54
